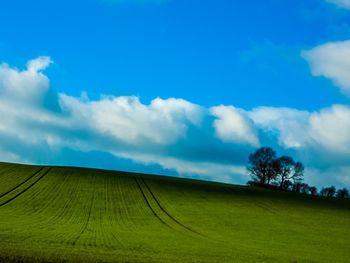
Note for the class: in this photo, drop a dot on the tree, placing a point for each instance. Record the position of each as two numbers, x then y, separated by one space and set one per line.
342 193
331 191
288 170
261 165
298 172
297 187
328 191
287 185
313 190
305 188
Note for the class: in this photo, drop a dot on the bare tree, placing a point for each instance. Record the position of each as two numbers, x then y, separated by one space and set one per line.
261 165
313 190
297 187
287 185
305 188
288 170
342 193
328 191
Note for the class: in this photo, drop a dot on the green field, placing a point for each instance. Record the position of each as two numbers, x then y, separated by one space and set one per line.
60 214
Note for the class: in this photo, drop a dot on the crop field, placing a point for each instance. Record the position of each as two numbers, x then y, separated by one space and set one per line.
62 214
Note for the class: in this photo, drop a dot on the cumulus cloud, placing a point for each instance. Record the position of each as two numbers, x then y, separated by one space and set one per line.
208 170
27 85
331 128
288 125
175 134
232 125
127 119
340 3
331 60
337 175
328 129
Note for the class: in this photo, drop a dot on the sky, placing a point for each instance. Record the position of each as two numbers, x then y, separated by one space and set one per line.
176 87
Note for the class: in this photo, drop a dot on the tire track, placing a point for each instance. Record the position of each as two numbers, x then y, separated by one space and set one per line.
167 213
89 216
259 203
164 212
66 216
125 194
108 202
149 205
26 189
267 207
14 188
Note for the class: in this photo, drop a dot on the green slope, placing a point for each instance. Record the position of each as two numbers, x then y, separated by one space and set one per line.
56 214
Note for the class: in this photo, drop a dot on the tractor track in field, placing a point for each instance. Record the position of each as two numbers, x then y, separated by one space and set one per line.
26 180
260 204
267 207
149 205
27 188
166 213
89 216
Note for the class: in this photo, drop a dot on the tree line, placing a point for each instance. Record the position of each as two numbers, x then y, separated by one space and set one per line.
284 173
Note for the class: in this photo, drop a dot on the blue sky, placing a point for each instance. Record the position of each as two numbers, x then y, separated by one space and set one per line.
176 87
209 52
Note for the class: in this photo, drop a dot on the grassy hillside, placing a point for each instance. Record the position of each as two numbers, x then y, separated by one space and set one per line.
70 214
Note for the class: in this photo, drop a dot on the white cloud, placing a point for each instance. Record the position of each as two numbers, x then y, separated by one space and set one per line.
290 124
39 64
328 128
172 133
6 156
341 3
339 176
331 60
127 119
28 85
206 170
331 128
232 125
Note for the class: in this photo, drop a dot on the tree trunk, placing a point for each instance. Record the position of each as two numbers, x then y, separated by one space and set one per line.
282 183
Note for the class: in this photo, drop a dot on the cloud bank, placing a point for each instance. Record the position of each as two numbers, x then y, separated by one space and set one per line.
175 134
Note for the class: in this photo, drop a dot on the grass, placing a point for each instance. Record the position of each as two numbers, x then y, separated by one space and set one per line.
61 214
